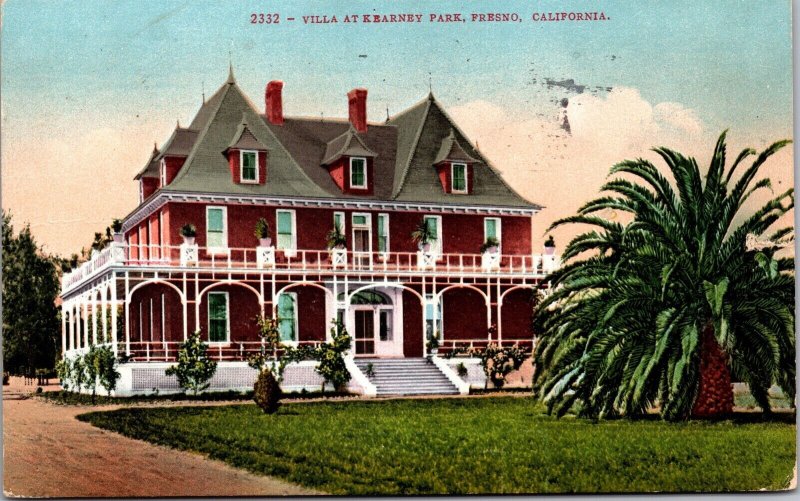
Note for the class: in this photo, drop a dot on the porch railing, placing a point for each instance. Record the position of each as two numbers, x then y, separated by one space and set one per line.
193 256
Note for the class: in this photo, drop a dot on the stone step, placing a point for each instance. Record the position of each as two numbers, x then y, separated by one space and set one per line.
406 376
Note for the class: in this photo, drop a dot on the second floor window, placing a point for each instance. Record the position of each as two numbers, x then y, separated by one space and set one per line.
287 238
216 228
435 226
383 233
459 178
249 165
358 173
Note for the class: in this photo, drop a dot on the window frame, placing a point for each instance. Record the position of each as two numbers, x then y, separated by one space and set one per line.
367 225
290 252
162 172
293 295
227 317
223 249
364 186
437 250
385 217
453 189
498 230
343 221
241 167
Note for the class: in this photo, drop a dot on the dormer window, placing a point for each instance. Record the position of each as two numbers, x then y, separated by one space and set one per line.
162 172
358 173
459 176
248 163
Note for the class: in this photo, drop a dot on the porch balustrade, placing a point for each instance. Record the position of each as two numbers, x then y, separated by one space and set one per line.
167 351
175 256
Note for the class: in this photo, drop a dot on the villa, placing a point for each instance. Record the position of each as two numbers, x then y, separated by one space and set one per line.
470 282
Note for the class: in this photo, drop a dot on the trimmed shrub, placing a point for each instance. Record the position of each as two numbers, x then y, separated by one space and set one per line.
267 392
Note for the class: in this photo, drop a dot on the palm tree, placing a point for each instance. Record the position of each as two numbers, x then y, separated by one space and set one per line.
666 310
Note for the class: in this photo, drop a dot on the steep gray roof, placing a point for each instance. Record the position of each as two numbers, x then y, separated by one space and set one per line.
452 150
347 144
307 140
425 127
206 169
405 150
150 169
243 139
179 144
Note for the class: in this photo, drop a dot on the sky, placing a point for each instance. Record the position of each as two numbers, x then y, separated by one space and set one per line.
88 87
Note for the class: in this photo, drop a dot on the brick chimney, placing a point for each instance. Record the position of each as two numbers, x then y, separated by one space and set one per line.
274 103
357 104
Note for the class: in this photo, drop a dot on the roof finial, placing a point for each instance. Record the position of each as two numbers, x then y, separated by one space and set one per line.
203 86
387 112
231 78
179 123
155 146
430 84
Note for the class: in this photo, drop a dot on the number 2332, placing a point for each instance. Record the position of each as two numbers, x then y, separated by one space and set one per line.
264 18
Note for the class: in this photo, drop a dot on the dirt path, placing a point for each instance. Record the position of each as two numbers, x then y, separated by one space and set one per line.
47 452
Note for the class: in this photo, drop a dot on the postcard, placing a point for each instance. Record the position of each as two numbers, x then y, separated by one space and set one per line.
397 248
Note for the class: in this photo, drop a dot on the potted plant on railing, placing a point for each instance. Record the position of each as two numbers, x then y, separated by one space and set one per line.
116 227
491 245
422 236
188 232
336 239
262 233
549 246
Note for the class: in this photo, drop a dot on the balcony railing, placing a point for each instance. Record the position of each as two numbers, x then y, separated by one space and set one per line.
193 256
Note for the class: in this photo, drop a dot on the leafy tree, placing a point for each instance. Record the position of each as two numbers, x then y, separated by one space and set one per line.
31 323
331 357
194 369
671 307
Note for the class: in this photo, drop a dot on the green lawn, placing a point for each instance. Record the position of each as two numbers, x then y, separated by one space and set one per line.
473 445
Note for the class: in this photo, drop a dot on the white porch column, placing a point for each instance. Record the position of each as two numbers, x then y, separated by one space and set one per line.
104 313
499 319
85 312
114 307
63 328
127 316
93 303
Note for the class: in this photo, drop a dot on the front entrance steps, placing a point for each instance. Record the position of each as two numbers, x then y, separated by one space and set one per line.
406 376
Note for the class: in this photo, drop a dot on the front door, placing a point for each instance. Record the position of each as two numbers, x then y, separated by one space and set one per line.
364 331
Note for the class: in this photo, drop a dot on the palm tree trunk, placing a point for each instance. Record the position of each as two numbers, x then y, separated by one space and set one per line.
715 395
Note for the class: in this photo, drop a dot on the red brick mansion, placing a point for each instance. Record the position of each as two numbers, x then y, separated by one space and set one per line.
468 281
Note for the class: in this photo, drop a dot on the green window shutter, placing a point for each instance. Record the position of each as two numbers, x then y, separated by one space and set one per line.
459 177
217 317
358 172
490 228
286 317
249 166
383 233
433 226
338 221
285 230
359 219
215 232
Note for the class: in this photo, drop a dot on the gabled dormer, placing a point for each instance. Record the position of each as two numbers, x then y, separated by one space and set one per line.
350 163
174 154
454 167
148 176
247 157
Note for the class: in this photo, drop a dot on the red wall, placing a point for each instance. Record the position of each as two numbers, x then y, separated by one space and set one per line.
149 186
173 165
462 233
464 312
173 314
234 160
517 314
